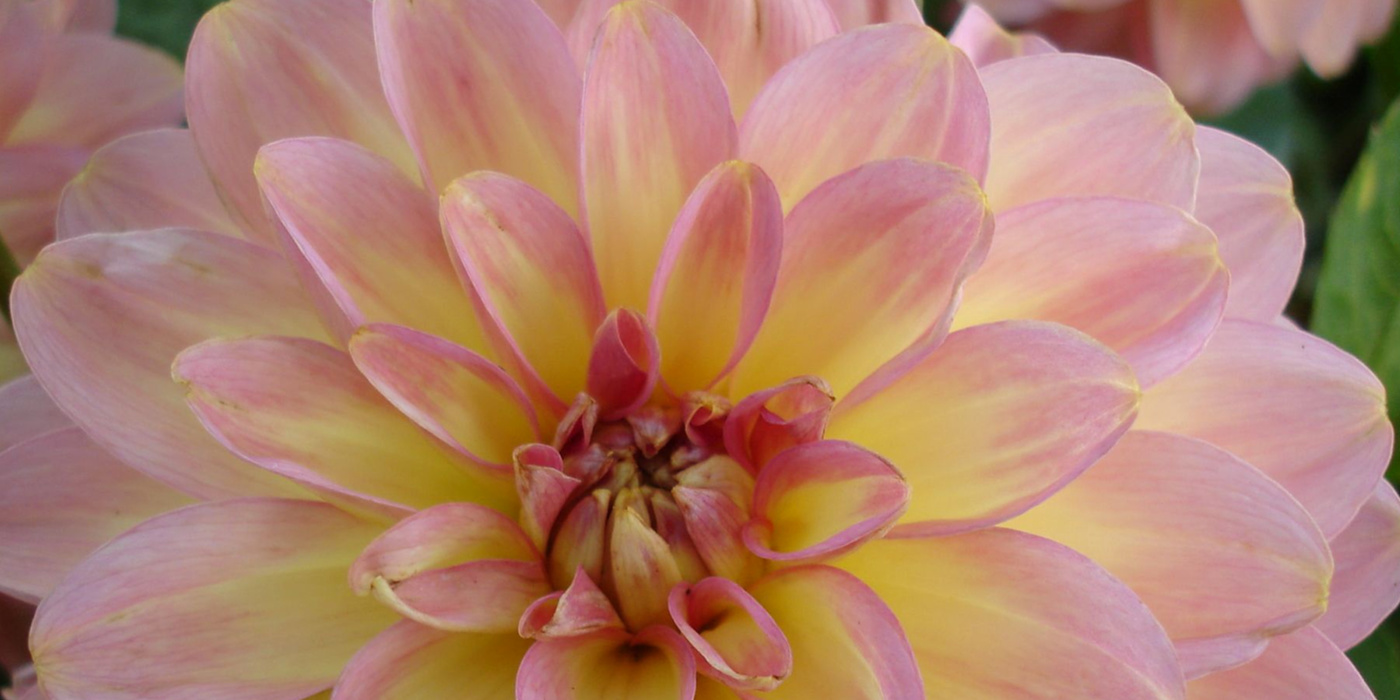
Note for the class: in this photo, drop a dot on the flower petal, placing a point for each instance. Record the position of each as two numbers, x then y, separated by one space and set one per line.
997 613
26 411
22 39
1307 414
985 42
1366 587
543 488
580 609
149 180
858 13
1209 53
486 596
655 664
410 661
1142 278
1216 549
1304 665
1330 41
264 615
887 92
624 365
736 640
655 121
31 182
770 421
101 317
482 86
437 538
642 568
1072 125
847 305
993 422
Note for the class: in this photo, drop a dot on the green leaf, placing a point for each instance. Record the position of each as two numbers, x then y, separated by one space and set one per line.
1358 295
163 23
1378 659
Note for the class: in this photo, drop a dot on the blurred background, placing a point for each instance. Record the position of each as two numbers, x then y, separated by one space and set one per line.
1350 286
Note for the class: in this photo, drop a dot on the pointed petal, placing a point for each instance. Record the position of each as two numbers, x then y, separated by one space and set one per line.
655 120
149 180
101 317
1048 622
770 421
888 92
1215 548
31 182
485 596
993 422
270 603
543 489
61 497
985 42
1072 125
1366 587
26 411
734 638
642 568
653 665
410 661
263 70
1142 278
854 14
1308 415
580 609
847 305
624 365
714 523
716 275
580 542
1304 665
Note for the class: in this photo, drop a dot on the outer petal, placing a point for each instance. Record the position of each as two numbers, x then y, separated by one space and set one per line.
21 61
1071 125
301 409
1246 198
410 661
101 317
1366 588
31 181
1330 43
61 497
995 614
874 94
656 664
1142 278
985 42
1216 549
1209 53
159 612
858 13
1280 25
368 234
263 70
82 15
153 179
27 412
1307 414
655 120
735 638
846 305
482 86
1304 665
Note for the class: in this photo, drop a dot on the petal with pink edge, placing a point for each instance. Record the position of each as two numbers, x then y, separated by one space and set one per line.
102 316
300 408
61 497
624 365
1366 587
888 92
1142 278
1308 415
439 537
735 639
410 661
655 664
985 42
993 422
1304 665
263 70
857 302
996 613
149 180
1222 555
1072 125
580 609
26 411
147 613
655 120
31 182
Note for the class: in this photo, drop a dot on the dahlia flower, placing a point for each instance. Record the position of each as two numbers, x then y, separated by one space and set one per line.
719 356
1212 52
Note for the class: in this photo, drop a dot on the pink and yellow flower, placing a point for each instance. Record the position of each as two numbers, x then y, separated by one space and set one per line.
705 362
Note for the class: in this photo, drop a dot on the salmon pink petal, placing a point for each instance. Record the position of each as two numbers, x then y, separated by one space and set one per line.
996 420
300 408
1308 415
149 180
1210 53
854 14
821 499
1280 25
857 302
26 411
410 661
1142 278
530 270
263 70
985 42
1246 198
543 488
1366 587
61 497
655 120
887 92
1222 555
625 364
1304 665
270 599
1330 41
654 664
1072 125
31 182
715 279
439 537
82 15
714 523
487 596
734 638
451 392
997 613
482 86
770 421
101 317
845 641
22 40
580 609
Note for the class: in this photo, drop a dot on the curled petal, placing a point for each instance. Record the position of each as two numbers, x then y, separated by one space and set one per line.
487 596
438 538
1366 587
580 609
654 664
410 661
543 488
625 364
770 421
736 640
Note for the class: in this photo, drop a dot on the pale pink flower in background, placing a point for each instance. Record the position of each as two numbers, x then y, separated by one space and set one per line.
1213 53
690 364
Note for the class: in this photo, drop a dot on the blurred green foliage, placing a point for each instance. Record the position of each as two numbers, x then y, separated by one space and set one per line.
163 23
